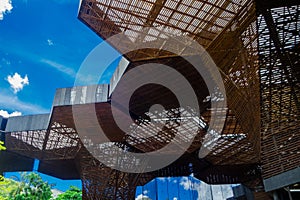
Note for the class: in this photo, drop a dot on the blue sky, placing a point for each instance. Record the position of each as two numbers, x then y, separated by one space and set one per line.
55 183
42 45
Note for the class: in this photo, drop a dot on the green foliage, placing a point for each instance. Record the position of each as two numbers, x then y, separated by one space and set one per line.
73 193
2 147
31 187
6 188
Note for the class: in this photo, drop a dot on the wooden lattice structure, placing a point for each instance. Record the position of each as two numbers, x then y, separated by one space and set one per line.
279 41
256 49
227 30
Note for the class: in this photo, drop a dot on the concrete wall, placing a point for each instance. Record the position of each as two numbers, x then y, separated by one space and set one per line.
118 74
28 123
81 95
282 180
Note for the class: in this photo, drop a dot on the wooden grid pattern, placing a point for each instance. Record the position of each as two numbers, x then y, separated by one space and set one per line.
176 16
61 142
201 20
237 40
27 143
235 53
102 182
263 196
61 136
280 88
227 29
180 123
57 142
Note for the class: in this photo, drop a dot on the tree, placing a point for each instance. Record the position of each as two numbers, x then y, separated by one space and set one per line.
6 187
2 147
73 193
31 187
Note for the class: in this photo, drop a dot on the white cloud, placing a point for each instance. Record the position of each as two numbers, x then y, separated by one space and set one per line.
206 191
163 179
142 197
82 79
189 183
12 102
175 198
85 78
5 7
17 82
59 67
50 42
5 114
5 61
186 183
145 192
27 55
